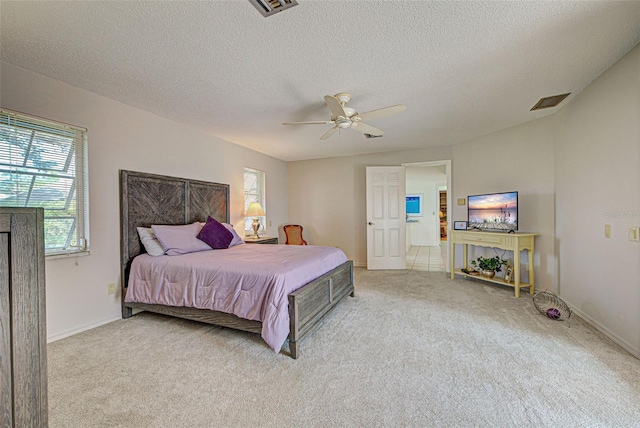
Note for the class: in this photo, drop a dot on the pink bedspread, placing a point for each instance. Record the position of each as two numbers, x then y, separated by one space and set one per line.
251 281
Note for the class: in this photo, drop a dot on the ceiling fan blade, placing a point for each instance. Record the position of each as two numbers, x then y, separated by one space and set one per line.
334 105
317 122
329 133
367 129
382 112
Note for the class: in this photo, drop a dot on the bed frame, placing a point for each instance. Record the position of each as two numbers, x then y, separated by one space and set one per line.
147 199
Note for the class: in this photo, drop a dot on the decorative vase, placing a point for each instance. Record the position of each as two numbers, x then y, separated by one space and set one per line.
488 273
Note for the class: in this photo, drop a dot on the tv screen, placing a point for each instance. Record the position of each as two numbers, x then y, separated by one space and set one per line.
493 211
414 205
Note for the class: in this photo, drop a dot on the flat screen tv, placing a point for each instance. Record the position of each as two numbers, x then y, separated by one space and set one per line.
493 212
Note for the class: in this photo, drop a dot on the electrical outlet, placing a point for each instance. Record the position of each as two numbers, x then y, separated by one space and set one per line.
111 288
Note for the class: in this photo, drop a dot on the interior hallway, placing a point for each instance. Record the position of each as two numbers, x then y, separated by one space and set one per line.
420 257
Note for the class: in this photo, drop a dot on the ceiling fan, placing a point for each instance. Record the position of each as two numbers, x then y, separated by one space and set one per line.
343 117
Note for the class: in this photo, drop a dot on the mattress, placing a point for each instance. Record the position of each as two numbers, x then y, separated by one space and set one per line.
250 281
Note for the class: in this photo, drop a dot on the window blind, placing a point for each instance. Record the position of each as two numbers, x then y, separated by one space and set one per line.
44 164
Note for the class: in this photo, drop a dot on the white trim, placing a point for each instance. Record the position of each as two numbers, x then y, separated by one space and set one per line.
66 255
80 329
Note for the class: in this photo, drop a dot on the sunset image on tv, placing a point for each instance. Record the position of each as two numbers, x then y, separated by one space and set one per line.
495 211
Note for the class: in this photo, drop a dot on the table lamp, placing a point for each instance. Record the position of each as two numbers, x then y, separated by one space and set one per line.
255 210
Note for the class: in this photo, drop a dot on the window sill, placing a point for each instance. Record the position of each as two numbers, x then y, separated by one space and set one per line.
53 256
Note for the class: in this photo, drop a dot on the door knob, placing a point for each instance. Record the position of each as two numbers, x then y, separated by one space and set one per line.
370 224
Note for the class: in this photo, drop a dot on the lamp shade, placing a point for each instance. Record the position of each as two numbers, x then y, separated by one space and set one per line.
254 210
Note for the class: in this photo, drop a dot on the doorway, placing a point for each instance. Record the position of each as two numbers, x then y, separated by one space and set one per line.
427 258
427 236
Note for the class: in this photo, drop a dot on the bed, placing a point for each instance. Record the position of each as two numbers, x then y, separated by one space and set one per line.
147 199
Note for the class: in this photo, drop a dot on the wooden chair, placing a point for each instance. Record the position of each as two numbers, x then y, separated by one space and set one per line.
293 232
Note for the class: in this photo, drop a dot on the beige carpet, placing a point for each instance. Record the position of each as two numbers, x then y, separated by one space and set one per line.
411 349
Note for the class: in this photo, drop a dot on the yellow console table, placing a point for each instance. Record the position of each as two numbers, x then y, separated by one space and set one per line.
515 242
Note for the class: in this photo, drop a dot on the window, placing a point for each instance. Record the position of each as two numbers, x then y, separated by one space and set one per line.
44 164
253 192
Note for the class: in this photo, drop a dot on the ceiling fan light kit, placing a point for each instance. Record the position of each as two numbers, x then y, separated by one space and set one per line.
349 111
343 123
343 117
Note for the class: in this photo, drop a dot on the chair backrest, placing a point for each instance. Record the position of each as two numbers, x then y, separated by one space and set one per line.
293 232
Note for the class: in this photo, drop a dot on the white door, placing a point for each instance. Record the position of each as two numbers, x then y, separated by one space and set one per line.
386 221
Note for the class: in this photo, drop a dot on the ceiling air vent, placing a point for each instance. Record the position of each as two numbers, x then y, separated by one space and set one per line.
269 7
549 101
372 136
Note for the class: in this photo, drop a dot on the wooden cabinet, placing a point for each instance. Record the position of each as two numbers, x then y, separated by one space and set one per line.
23 338
443 214
261 240
515 242
443 205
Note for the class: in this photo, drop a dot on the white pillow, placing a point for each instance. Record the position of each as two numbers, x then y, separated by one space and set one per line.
150 242
236 238
181 239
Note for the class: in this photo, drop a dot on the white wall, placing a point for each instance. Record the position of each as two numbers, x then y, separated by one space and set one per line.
597 172
327 196
425 180
521 159
123 137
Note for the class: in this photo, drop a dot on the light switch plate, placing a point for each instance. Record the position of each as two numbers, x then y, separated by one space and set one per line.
607 231
462 201
634 234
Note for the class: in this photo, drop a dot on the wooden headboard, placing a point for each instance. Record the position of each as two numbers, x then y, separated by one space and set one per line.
147 199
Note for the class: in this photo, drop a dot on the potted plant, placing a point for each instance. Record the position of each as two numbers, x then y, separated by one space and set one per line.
488 266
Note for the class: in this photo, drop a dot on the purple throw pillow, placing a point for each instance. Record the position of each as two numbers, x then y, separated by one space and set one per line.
215 234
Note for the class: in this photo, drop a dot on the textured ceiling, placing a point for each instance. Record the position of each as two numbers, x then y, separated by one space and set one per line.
463 69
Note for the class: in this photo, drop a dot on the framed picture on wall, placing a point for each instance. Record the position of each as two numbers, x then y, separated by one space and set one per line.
414 205
459 225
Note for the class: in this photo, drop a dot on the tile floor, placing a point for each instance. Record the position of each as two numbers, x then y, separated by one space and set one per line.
427 258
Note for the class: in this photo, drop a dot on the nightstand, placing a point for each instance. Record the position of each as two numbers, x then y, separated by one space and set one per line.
261 240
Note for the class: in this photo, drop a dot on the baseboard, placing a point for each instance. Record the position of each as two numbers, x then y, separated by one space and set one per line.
80 329
604 330
360 264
